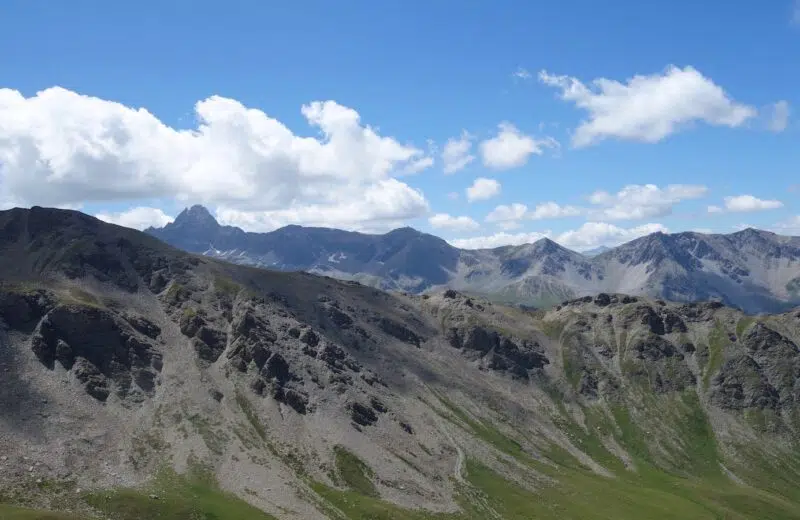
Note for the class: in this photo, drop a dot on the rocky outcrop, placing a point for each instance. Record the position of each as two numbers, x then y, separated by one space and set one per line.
99 348
399 331
498 352
208 341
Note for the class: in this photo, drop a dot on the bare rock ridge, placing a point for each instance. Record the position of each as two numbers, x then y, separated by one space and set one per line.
312 397
756 271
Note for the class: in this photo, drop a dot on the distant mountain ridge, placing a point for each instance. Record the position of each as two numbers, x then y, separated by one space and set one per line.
139 381
757 271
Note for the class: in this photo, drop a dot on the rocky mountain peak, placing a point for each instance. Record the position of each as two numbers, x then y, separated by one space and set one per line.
196 216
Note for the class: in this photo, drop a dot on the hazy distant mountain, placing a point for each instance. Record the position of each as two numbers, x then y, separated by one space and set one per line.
755 270
595 251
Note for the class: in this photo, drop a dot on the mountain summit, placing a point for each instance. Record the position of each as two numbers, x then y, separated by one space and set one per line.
140 381
755 270
196 217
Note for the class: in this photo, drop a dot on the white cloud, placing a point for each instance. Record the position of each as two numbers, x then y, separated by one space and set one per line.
505 213
747 203
647 108
715 209
60 148
550 210
498 240
789 227
522 73
456 153
453 195
595 234
383 206
589 236
483 189
137 218
445 221
780 116
641 201
510 148
508 216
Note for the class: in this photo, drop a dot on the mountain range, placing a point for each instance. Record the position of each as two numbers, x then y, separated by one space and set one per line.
140 381
754 270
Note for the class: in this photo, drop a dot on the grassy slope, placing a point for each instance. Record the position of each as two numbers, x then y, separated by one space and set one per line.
694 488
174 497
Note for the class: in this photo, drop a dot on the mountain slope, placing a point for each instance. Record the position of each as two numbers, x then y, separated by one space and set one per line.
141 381
754 270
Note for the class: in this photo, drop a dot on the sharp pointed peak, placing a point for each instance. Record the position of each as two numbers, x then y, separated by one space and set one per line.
196 215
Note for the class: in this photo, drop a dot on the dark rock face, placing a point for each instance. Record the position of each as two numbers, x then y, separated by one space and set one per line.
654 348
602 300
362 414
339 319
208 342
673 323
295 399
144 326
399 331
741 384
23 310
100 349
498 352
777 359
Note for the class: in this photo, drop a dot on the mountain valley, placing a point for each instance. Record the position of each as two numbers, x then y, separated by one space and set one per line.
141 381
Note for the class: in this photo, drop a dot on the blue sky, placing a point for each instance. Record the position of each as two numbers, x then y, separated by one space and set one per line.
588 122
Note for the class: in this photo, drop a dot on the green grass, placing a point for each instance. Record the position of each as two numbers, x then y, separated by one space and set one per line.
195 496
176 293
250 413
19 513
742 325
354 473
717 341
226 287
350 505
484 431
214 438
191 497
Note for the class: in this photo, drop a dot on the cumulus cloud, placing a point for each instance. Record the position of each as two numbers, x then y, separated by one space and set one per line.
483 189
589 236
595 234
141 217
60 148
510 148
745 204
790 226
381 207
445 221
550 210
456 153
641 201
509 216
647 108
507 212
779 118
